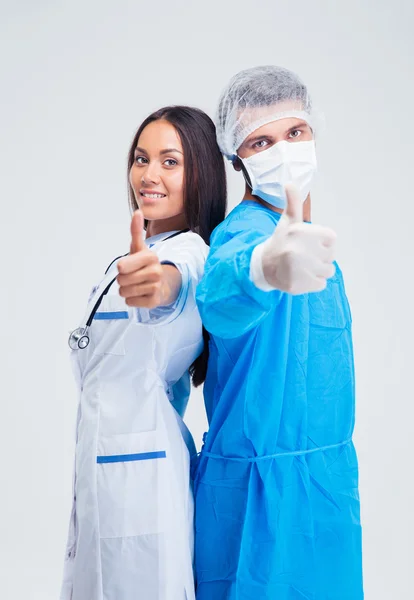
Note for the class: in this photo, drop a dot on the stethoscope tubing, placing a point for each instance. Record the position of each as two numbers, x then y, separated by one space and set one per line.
79 338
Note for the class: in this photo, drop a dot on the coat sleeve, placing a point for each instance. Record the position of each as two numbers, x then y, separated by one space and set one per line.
229 302
187 253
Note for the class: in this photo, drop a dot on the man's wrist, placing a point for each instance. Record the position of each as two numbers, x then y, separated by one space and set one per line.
256 269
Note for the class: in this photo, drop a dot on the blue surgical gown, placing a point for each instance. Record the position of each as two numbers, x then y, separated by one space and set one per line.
277 503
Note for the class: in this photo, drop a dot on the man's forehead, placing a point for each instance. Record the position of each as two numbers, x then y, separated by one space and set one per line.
278 126
250 114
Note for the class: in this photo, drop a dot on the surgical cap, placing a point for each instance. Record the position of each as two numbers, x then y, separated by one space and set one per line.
258 96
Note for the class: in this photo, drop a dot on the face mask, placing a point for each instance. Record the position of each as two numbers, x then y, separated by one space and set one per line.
285 162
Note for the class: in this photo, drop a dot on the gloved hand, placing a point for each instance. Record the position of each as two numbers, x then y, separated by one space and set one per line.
298 257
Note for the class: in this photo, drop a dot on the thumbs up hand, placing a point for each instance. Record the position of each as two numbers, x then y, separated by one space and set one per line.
298 257
140 276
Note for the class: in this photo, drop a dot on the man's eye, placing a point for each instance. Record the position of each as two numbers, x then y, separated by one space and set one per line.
141 160
295 133
260 144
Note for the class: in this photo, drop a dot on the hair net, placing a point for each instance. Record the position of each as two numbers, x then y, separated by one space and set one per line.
258 96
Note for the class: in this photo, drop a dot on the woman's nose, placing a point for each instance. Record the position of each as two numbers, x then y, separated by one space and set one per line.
151 174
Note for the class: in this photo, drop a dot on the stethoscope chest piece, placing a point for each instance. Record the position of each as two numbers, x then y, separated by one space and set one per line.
78 339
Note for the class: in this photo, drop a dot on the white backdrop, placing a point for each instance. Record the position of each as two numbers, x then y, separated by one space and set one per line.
77 78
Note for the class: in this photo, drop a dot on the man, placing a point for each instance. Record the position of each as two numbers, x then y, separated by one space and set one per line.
277 504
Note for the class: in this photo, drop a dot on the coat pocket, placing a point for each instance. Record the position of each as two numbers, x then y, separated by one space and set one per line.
132 484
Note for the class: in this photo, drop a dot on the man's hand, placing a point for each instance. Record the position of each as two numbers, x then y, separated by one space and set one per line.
298 257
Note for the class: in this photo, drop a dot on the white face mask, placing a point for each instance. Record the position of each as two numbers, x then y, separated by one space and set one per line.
285 162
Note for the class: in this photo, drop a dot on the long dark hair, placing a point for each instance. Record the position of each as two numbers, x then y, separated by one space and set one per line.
205 189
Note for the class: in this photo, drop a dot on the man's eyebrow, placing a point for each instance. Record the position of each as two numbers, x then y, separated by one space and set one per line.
298 126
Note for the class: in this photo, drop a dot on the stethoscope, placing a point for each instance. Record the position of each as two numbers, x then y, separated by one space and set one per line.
79 338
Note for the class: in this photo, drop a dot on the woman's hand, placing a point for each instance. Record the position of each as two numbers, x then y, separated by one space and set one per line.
143 281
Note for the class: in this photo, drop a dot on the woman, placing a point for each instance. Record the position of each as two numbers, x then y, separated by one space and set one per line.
131 531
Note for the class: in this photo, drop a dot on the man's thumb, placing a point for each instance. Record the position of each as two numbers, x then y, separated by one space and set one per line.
294 204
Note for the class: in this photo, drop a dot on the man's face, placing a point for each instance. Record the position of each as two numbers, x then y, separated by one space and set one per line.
290 129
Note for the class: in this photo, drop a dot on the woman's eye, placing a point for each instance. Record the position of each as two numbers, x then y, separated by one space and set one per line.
295 133
170 162
260 144
141 160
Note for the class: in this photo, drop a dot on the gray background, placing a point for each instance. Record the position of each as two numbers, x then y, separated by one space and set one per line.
77 79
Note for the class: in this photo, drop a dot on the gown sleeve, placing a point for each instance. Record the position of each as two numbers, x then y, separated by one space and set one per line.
230 304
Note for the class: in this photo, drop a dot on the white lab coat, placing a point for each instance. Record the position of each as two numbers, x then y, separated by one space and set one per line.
131 528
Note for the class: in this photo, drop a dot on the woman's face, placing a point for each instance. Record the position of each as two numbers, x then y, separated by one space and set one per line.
157 174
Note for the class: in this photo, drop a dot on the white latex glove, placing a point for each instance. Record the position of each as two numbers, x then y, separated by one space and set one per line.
298 257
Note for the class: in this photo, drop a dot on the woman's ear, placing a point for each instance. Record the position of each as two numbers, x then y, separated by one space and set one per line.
237 164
